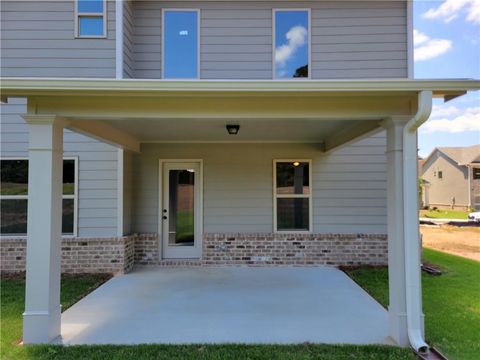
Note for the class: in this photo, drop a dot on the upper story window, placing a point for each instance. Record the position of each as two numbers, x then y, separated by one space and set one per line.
14 196
292 195
291 28
180 44
90 18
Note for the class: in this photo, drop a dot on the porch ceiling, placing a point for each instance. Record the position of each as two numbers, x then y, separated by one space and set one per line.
128 112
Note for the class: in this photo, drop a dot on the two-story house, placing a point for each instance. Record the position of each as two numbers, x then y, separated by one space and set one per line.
451 178
211 133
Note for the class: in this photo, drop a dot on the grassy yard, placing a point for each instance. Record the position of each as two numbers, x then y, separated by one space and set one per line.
451 302
12 300
444 214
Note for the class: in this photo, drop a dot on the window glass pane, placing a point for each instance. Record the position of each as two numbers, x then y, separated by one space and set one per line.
293 214
90 6
181 44
68 177
68 211
293 178
476 173
291 44
181 224
14 177
90 26
13 216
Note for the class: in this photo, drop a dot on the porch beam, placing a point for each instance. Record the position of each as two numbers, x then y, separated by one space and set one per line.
104 132
227 106
350 134
41 319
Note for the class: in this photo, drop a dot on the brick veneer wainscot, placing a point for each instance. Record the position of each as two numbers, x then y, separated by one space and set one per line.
120 254
275 250
79 255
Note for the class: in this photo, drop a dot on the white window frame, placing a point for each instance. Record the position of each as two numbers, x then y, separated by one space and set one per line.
293 196
274 69
162 65
79 15
73 196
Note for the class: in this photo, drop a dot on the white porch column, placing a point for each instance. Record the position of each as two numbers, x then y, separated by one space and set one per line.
41 319
397 308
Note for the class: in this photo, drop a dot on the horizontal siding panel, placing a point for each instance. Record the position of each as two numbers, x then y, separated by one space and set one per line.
359 74
60 54
242 49
355 47
236 74
358 219
359 30
239 31
358 39
356 11
96 232
359 64
236 57
56 63
359 56
72 44
359 21
103 222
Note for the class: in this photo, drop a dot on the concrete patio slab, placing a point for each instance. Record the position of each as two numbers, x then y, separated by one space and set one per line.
227 305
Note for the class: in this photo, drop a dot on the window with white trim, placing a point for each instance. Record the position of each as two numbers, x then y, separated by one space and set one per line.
180 43
291 41
91 18
14 196
292 195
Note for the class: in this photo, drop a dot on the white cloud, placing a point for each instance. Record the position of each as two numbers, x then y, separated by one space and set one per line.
468 120
440 111
427 48
450 10
419 37
297 37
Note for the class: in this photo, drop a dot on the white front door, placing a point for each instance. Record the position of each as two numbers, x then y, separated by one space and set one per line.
181 210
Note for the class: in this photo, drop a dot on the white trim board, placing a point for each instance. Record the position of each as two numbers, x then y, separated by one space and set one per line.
160 203
77 23
291 196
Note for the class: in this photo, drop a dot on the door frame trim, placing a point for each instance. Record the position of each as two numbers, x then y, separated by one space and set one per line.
160 203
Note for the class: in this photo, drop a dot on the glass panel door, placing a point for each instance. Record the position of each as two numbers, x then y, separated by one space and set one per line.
181 210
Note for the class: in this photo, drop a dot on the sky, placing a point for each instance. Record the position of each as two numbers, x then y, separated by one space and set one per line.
291 42
447 45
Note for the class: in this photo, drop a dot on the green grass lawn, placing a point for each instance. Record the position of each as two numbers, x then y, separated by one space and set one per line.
451 302
73 288
445 214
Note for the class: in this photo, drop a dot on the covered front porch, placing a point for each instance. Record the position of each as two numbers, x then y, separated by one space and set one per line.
137 114
260 305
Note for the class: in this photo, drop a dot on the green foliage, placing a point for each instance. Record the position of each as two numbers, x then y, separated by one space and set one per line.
444 214
450 302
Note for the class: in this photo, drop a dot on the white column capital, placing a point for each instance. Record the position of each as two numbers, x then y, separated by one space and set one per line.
45 119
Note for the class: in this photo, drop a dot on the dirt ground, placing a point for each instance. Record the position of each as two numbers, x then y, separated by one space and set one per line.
453 240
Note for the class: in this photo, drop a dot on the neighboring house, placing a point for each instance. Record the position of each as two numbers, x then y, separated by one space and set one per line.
451 178
211 133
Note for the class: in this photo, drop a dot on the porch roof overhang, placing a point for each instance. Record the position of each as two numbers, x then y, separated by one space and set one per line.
128 112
